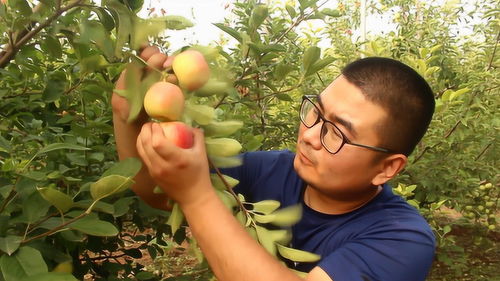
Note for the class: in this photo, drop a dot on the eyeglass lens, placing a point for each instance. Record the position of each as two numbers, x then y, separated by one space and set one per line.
331 137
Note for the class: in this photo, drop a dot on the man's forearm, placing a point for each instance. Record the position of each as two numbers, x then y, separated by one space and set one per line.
125 138
231 252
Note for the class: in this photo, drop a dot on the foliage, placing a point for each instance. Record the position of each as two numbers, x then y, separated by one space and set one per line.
64 203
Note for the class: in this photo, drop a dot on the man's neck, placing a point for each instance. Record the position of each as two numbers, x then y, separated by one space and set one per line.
322 203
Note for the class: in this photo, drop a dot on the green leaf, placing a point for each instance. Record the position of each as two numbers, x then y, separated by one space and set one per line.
222 129
266 206
227 199
311 55
219 184
297 255
331 12
60 200
213 87
106 19
284 97
55 87
226 162
124 17
109 185
122 206
127 168
99 206
25 262
235 34
133 89
175 219
143 29
10 244
59 146
92 31
282 70
254 142
35 207
176 22
266 239
291 11
259 14
201 114
222 147
318 65
458 93
134 5
93 226
52 46
283 217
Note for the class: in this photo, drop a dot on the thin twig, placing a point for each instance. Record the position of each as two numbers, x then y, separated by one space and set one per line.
490 65
226 184
483 151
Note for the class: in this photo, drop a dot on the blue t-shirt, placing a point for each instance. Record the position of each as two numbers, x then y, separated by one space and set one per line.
386 239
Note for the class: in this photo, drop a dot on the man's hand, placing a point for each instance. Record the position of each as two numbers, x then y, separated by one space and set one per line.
155 60
183 174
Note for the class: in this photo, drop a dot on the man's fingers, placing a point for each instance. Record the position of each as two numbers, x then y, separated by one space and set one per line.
120 83
148 51
199 142
168 62
165 149
142 153
156 61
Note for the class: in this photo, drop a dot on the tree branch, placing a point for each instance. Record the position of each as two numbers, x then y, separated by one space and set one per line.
28 34
490 65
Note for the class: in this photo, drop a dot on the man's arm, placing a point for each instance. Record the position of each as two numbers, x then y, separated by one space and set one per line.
184 175
126 133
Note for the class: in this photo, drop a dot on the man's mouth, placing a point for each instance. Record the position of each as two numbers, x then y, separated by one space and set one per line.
304 158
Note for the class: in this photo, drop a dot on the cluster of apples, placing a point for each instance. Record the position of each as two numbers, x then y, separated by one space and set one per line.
164 100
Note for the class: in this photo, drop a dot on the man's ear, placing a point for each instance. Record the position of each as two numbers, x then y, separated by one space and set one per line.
389 168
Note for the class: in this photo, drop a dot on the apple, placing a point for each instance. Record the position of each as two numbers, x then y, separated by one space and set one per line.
191 69
178 133
164 101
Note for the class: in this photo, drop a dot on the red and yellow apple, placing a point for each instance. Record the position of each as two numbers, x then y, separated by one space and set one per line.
191 69
178 133
164 101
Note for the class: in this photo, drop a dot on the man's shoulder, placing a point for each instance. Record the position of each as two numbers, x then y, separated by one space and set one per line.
391 215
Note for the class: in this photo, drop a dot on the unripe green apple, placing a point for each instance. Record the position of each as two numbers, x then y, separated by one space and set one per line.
164 101
191 69
178 133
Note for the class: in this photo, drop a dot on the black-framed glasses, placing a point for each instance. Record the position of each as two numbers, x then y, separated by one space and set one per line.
332 138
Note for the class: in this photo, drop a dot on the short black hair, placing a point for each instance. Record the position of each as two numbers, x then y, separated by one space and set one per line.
402 93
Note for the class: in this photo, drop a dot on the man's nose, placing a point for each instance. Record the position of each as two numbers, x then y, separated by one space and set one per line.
312 136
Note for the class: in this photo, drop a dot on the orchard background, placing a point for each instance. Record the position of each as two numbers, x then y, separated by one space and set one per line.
58 64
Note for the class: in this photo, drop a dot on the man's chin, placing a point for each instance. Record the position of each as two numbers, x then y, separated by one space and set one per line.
302 170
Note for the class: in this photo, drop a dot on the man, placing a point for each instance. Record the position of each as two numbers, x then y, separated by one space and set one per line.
353 138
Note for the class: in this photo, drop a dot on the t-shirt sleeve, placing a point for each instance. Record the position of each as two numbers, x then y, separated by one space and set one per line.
380 259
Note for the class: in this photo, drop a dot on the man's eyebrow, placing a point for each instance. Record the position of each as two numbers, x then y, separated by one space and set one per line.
346 124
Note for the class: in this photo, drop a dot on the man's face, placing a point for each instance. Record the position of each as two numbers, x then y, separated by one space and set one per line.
352 169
